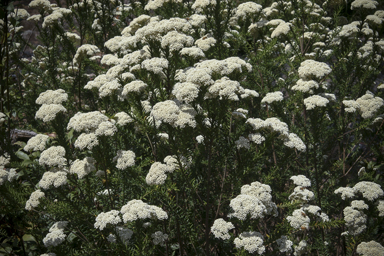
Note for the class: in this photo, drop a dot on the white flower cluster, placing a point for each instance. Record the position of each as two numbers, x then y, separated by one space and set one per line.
86 140
55 16
380 208
56 179
193 52
220 229
350 106
205 43
364 4
251 242
137 209
199 5
53 156
293 141
109 88
369 190
41 4
355 221
123 118
315 101
136 86
311 69
155 65
83 167
2 118
7 174
86 122
301 194
225 88
272 97
369 104
36 143
285 245
106 128
156 4
104 218
248 9
255 200
173 113
84 51
301 180
176 41
158 172
33 200
301 248
56 234
346 192
52 97
273 124
282 29
305 86
124 159
159 238
371 248
299 220
48 112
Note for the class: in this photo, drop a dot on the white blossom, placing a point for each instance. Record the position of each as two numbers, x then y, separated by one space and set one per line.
281 29
136 86
305 86
366 4
369 104
176 41
369 190
124 159
56 234
293 141
313 69
355 221
123 118
56 179
87 122
52 97
251 242
371 248
380 208
155 65
104 218
206 42
53 156
301 194
220 229
299 220
48 112
301 248
315 101
301 180
285 245
106 128
83 167
86 140
137 209
272 97
36 143
33 200
346 192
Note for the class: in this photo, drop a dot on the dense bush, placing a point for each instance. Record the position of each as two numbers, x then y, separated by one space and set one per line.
204 127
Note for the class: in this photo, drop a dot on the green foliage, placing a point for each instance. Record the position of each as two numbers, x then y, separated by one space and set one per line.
201 128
